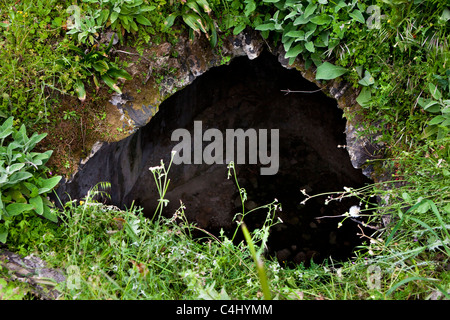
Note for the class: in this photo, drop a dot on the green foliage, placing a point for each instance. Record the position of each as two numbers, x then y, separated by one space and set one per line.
197 15
440 124
312 28
23 183
10 291
95 63
121 15
28 49
85 27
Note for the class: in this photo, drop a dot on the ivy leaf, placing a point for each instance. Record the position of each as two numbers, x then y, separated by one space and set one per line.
328 71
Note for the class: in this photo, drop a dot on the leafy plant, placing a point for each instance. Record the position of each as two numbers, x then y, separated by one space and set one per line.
23 183
311 28
122 15
85 27
95 63
197 15
440 124
10 291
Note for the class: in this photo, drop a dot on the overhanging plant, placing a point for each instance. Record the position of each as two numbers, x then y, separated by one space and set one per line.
23 181
197 15
96 63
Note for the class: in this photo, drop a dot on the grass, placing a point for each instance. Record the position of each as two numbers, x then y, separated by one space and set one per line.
109 253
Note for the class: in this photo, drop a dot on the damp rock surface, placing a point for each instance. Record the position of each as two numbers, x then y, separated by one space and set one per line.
247 94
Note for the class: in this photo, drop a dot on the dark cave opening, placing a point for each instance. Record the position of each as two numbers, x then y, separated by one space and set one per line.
246 94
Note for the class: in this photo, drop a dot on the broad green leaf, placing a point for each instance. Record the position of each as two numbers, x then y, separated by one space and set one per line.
104 14
170 19
47 185
15 209
298 34
119 74
239 28
357 15
301 20
193 21
143 20
310 9
322 19
364 96
6 128
295 51
435 91
100 66
266 26
14 167
111 83
328 71
35 139
436 120
429 131
17 196
310 46
38 205
49 214
33 189
249 8
432 106
367 80
113 17
446 122
18 176
134 26
147 8
3 234
193 5
287 45
79 89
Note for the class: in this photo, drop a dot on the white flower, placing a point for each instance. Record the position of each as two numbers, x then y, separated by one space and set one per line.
153 169
354 211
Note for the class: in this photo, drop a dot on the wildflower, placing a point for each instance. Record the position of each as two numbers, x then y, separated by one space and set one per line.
81 202
157 168
354 211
